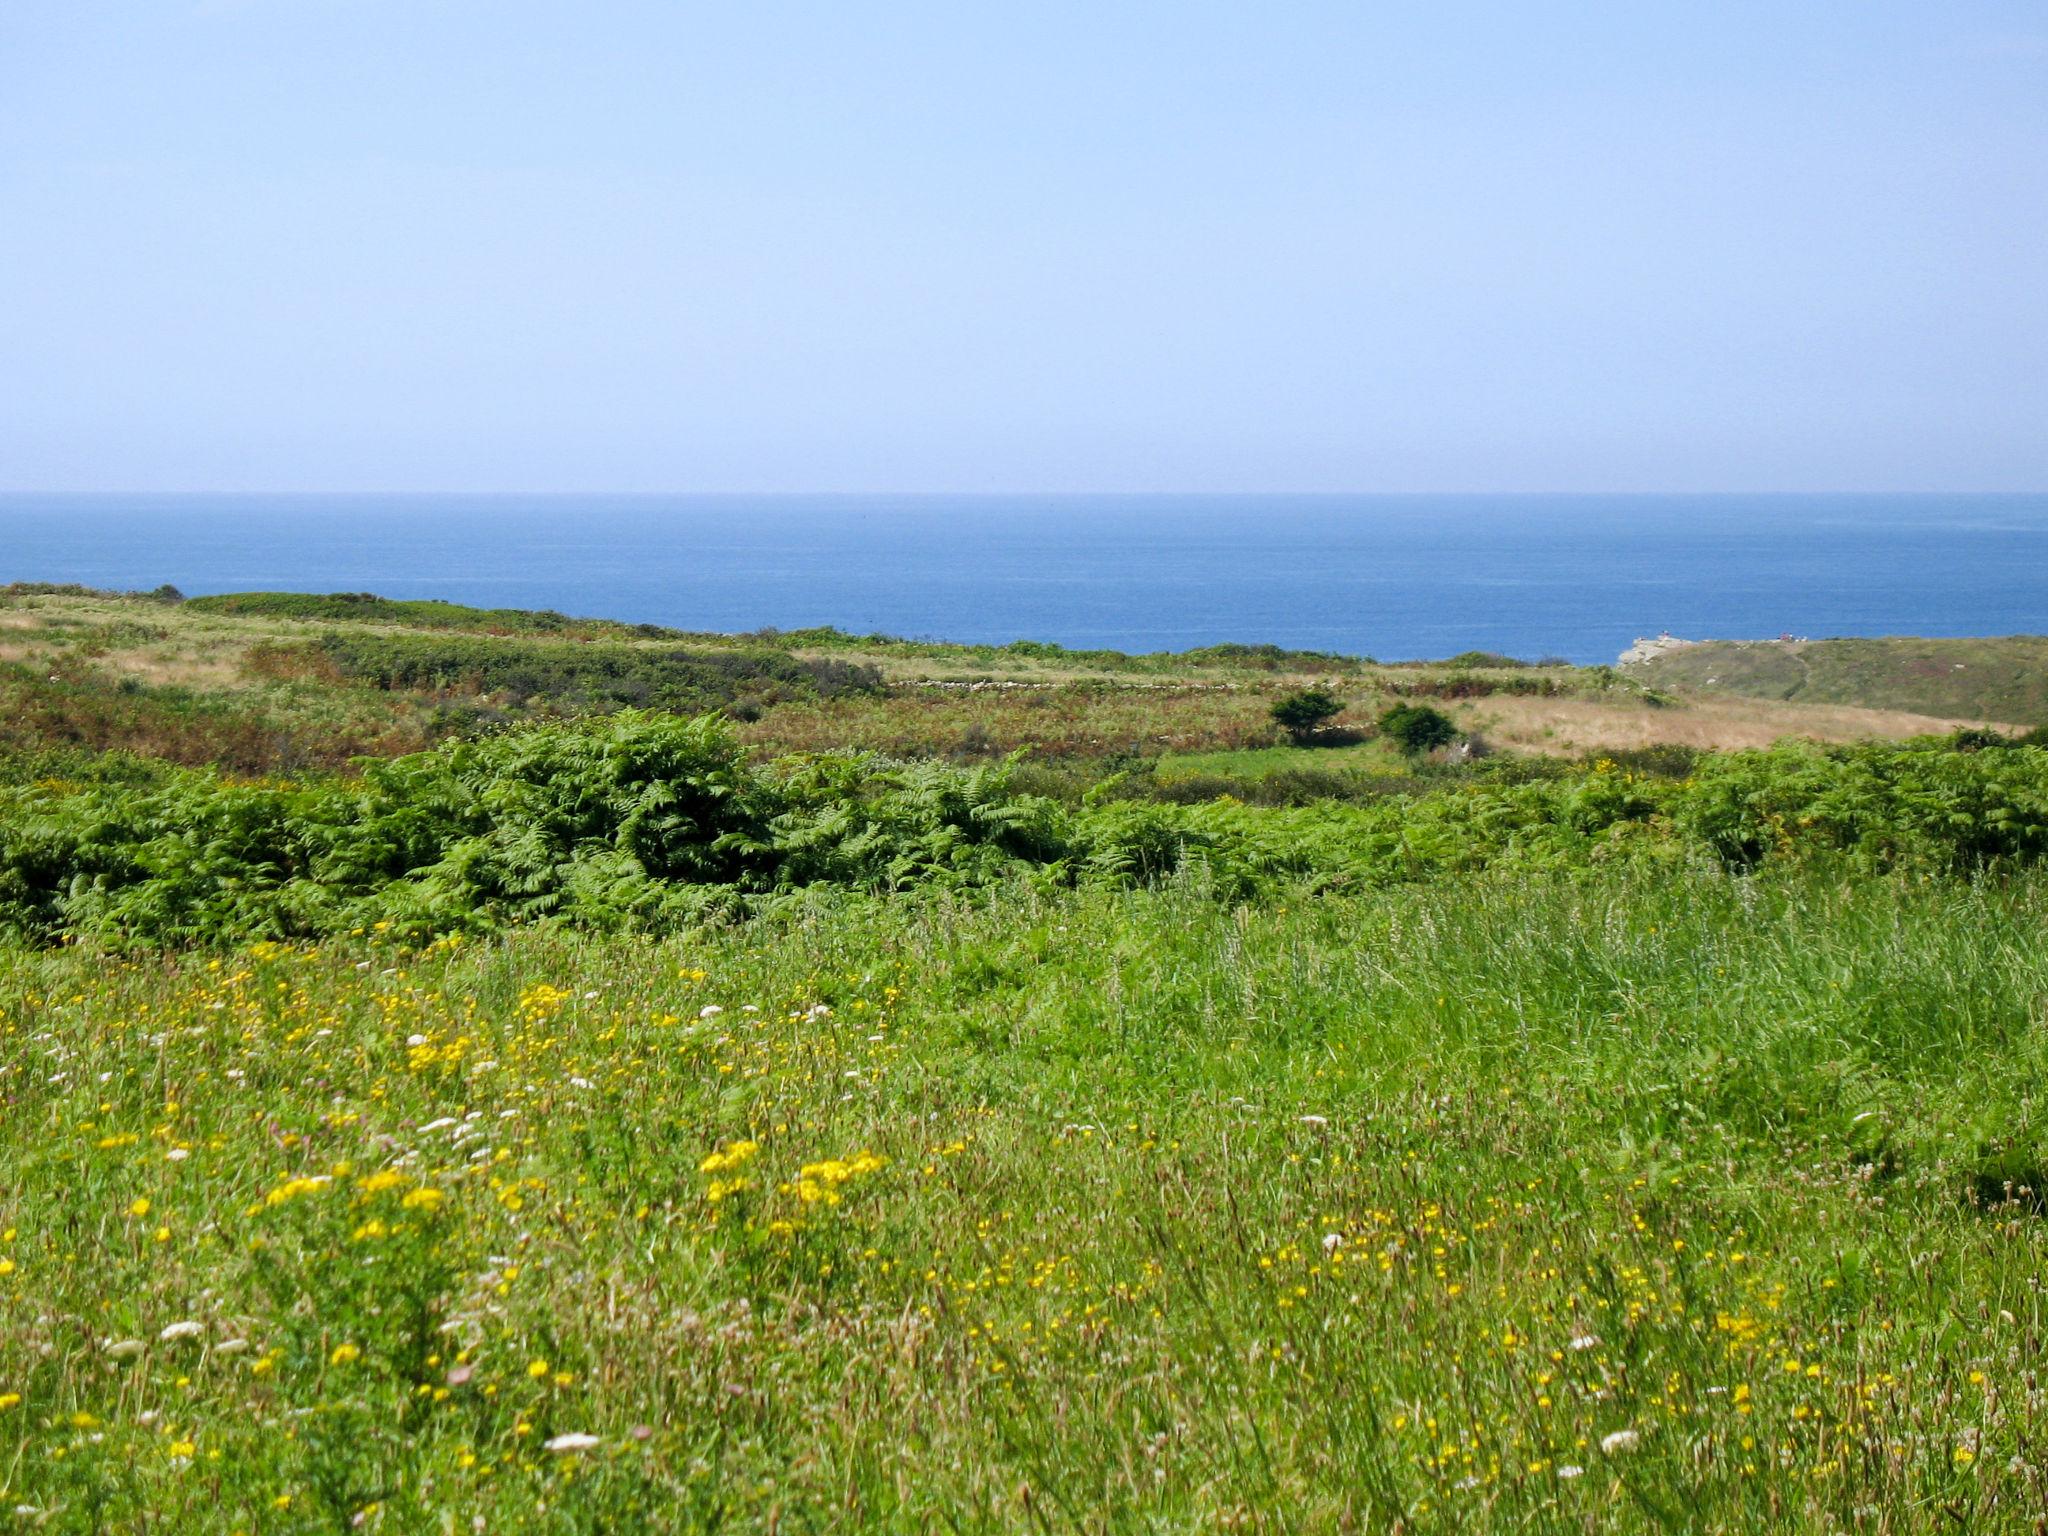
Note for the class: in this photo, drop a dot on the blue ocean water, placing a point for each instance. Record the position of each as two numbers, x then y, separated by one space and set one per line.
1385 576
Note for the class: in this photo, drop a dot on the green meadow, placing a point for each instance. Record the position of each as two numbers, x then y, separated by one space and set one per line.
582 1118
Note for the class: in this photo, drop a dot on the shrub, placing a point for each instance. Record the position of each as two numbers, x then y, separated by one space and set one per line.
650 822
1303 715
1483 659
1416 728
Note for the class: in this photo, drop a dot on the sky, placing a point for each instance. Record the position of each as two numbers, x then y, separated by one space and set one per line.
889 245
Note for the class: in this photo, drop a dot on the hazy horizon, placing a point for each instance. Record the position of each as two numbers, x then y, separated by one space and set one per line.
449 246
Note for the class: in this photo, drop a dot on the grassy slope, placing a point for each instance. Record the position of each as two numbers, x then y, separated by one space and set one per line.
2002 680
1322 1215
172 663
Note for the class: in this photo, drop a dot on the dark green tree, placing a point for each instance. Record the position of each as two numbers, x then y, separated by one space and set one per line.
1303 715
1416 728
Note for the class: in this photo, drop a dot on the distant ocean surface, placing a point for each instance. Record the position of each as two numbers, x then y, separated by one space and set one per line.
1388 576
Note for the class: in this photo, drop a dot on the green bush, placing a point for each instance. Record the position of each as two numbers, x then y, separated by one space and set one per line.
1417 728
650 821
1303 715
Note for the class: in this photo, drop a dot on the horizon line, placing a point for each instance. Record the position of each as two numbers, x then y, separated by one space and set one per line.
24 491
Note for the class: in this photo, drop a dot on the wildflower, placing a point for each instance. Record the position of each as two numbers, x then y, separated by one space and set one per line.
291 1189
735 1157
230 1346
564 1443
1584 1341
9 1400
185 1330
138 1207
1332 1241
422 1199
126 1349
345 1354
1570 1471
537 1369
1620 1440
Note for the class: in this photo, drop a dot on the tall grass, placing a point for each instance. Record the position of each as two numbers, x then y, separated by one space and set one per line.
1615 1202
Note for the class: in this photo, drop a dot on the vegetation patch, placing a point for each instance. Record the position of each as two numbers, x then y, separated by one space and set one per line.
567 677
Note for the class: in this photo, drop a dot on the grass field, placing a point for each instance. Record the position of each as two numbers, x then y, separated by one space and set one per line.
290 683
622 1125
1691 1203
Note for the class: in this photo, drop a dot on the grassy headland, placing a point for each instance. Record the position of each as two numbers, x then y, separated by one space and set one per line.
2002 679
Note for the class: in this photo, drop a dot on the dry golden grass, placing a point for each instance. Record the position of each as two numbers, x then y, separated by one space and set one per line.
1571 726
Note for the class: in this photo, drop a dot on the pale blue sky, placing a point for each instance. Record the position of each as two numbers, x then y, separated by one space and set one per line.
656 245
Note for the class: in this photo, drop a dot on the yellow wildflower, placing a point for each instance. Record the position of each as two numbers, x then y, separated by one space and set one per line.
735 1157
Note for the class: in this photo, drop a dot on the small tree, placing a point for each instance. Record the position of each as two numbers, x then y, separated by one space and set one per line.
1302 715
1416 728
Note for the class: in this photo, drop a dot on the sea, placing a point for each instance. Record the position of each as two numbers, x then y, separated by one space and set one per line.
1393 577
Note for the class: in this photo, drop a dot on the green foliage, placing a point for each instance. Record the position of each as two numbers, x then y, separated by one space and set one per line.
656 822
569 676
1302 715
1417 728
1465 659
419 613
14 590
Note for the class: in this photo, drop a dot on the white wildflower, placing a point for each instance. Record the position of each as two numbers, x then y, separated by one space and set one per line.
184 1330
562 1444
1568 1470
125 1349
1585 1341
1621 1440
1332 1241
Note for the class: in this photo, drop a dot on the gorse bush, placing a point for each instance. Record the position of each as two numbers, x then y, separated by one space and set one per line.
653 822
